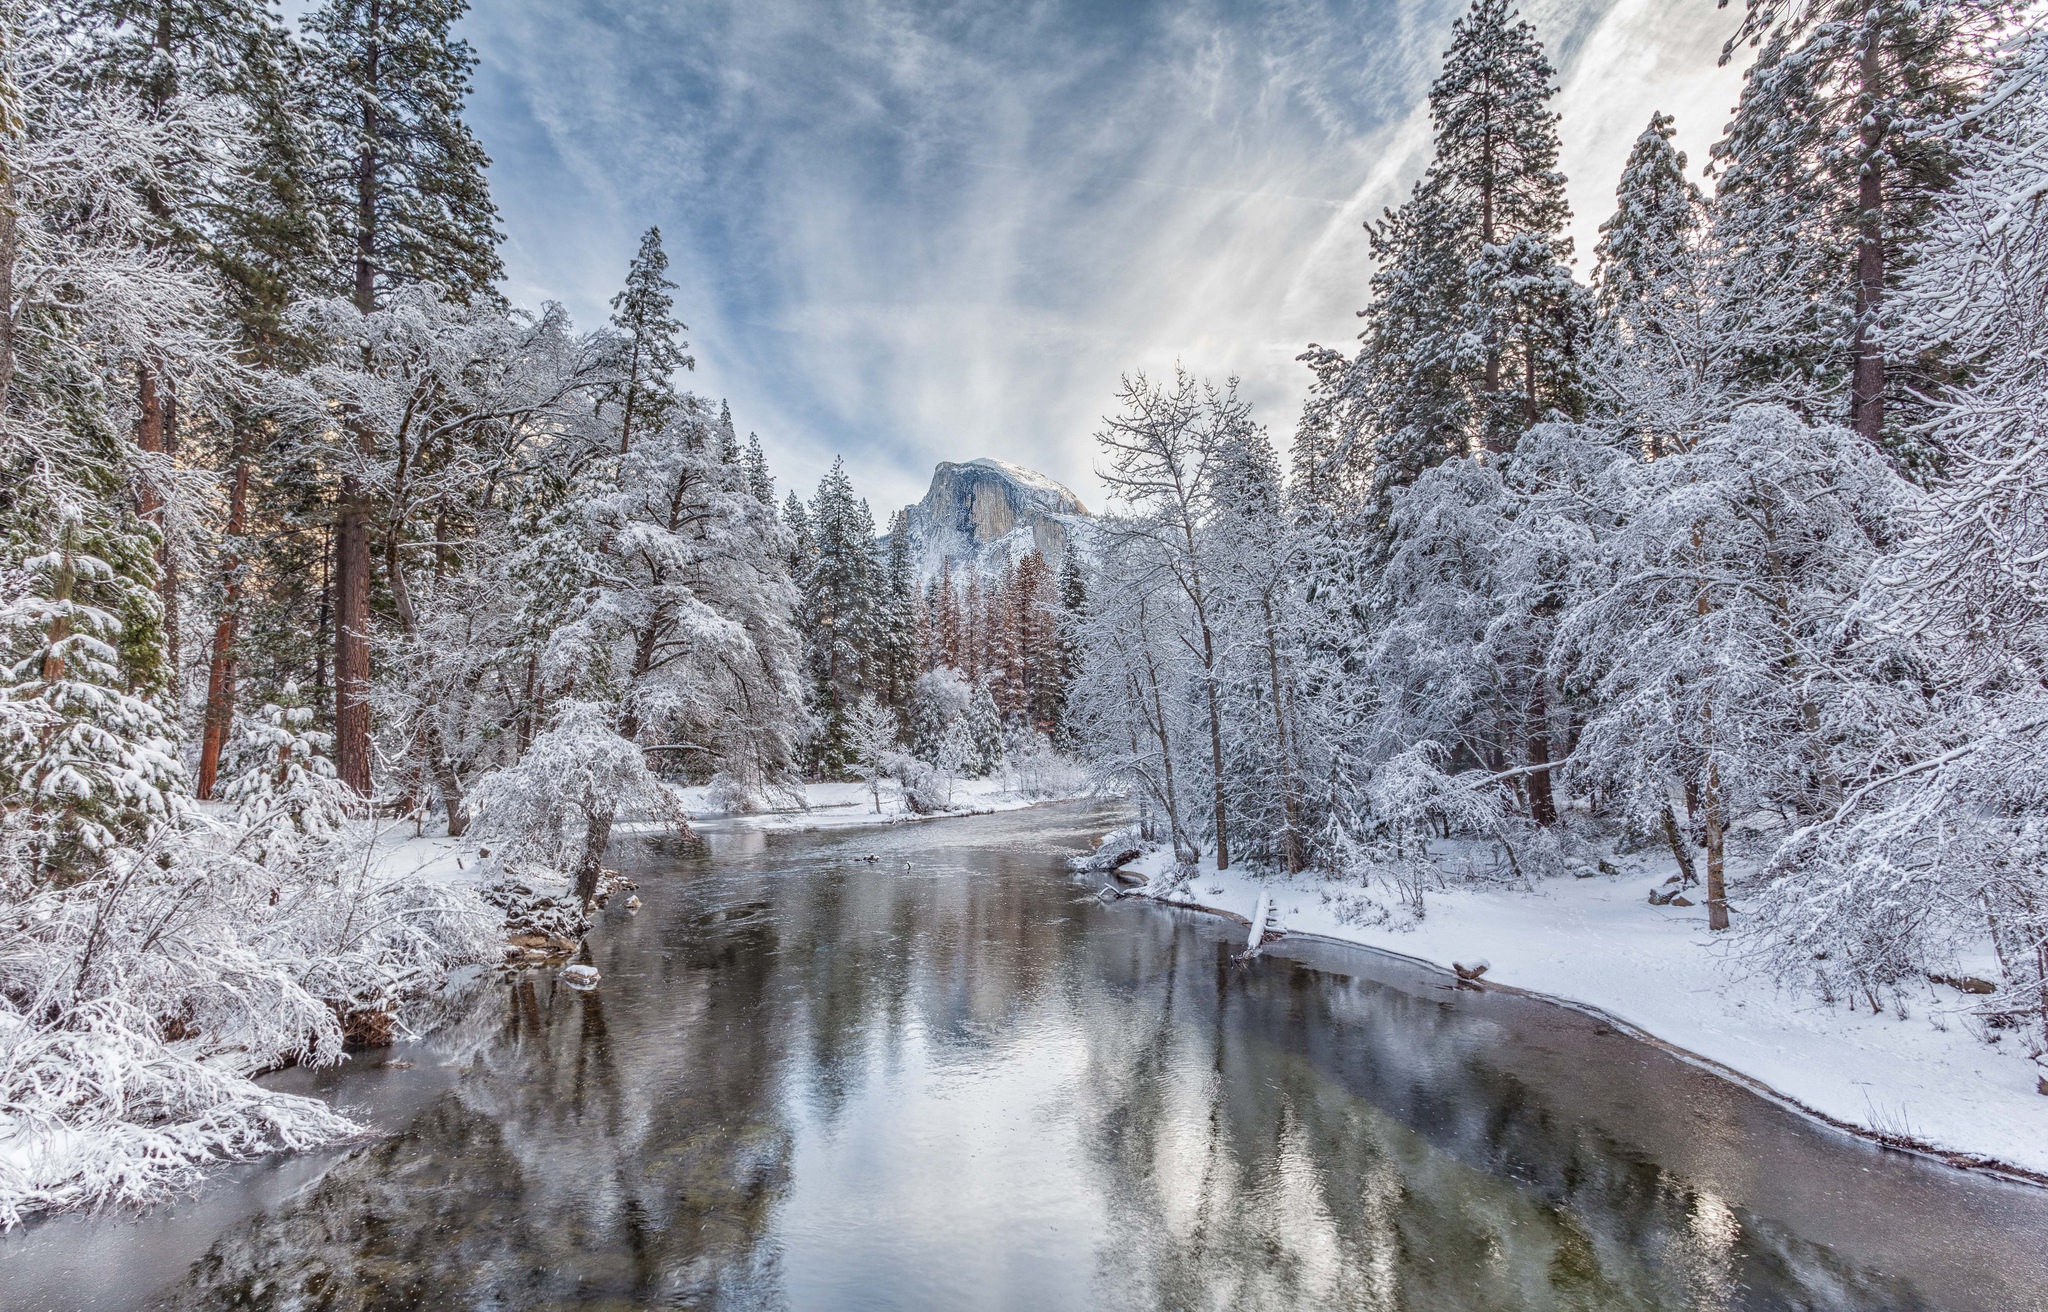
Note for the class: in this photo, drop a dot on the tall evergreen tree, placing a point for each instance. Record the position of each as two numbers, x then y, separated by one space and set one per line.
252 225
1470 334
410 194
841 599
650 344
1662 347
896 645
1657 212
759 481
1843 142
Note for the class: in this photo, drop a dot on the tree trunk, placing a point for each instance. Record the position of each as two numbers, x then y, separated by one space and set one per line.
596 838
1290 800
1216 751
352 640
10 126
352 528
153 435
1680 850
1542 805
220 669
1866 394
632 387
1717 889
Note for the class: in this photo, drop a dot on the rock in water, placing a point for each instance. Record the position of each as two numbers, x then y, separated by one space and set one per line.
985 514
580 977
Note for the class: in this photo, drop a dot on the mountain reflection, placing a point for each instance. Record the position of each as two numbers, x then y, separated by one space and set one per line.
947 1078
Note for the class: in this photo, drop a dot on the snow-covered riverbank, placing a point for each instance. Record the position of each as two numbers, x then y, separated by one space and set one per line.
1926 1078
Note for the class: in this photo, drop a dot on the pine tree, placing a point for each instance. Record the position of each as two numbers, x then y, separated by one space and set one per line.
650 346
251 224
841 604
1471 333
1842 143
897 630
1073 618
759 481
984 725
1662 349
411 195
1658 212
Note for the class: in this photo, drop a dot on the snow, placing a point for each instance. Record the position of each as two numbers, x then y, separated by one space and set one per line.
1597 943
846 805
1029 478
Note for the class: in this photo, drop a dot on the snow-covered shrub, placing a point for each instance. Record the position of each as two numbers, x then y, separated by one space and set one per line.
555 808
281 781
938 701
1040 771
729 794
134 1008
924 788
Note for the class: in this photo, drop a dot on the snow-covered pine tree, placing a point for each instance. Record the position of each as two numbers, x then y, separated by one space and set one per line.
841 604
803 547
759 481
89 746
1662 353
1474 320
939 700
1658 213
1073 616
896 645
1843 142
280 780
1942 844
649 343
407 188
985 731
248 223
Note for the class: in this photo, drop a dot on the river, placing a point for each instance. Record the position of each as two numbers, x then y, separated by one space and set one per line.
949 1078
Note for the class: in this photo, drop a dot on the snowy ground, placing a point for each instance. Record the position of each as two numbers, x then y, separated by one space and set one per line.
1598 942
433 855
838 805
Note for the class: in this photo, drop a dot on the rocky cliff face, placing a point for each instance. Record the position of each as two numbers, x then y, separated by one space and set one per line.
986 514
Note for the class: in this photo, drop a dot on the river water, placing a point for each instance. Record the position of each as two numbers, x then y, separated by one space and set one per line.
948 1078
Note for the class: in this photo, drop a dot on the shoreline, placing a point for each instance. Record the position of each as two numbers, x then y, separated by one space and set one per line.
1976 1161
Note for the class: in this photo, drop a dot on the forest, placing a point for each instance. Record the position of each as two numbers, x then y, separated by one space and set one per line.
1732 551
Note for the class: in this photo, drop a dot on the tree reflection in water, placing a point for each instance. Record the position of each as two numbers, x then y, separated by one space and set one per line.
809 1081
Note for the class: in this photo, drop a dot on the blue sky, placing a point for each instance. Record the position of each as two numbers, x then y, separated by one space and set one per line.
908 233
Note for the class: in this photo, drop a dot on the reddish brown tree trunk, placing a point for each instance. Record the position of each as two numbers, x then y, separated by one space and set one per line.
352 526
220 669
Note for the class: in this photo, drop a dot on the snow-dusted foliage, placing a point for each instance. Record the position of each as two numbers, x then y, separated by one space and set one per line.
280 780
1941 840
134 1008
555 808
1736 553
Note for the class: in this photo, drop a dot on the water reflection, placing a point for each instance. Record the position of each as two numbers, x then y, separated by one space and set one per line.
946 1079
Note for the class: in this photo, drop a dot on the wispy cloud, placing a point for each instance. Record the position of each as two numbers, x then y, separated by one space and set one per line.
913 232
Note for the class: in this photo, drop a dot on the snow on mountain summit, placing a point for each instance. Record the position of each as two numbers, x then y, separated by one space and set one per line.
985 514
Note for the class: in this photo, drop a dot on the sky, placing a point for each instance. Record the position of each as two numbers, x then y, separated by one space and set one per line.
912 232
